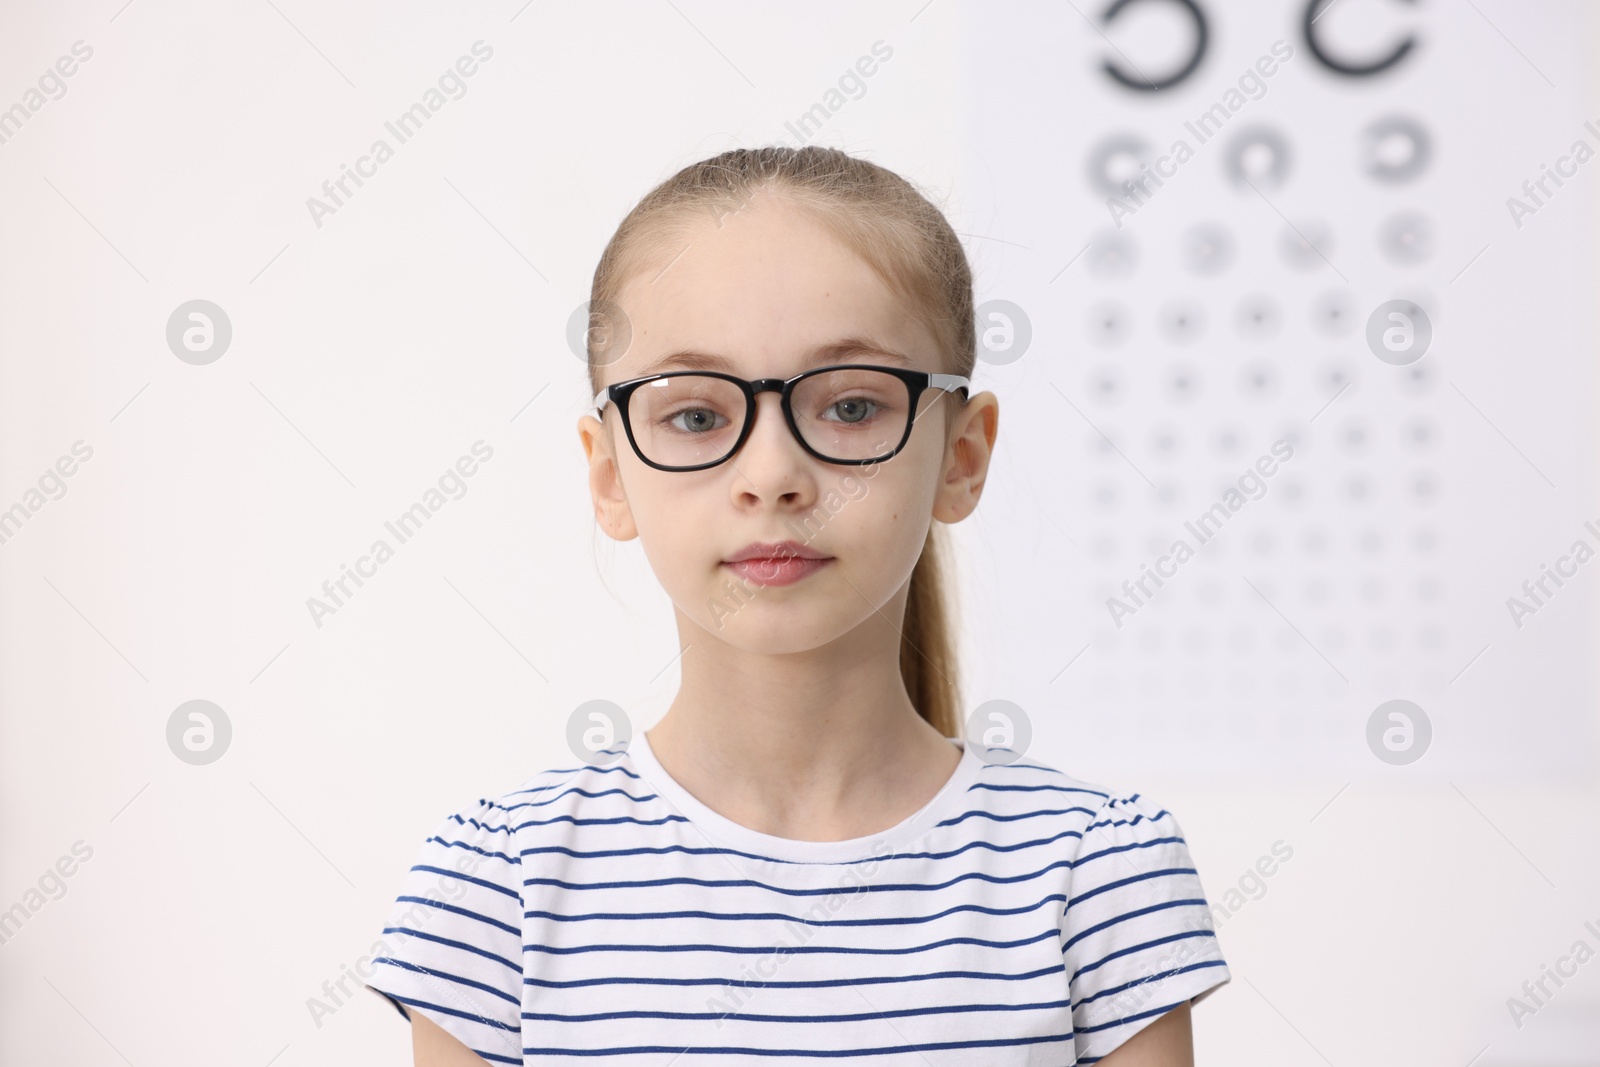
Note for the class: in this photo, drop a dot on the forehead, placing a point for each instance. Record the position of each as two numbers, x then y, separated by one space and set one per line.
763 291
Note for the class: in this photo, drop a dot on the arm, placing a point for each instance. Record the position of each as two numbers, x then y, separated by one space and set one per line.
432 1047
1167 1042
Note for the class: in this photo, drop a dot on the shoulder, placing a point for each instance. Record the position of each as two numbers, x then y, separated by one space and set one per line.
496 826
1091 813
542 794
1122 853
1005 771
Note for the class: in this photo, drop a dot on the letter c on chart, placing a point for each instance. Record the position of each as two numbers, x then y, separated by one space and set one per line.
1139 81
1314 11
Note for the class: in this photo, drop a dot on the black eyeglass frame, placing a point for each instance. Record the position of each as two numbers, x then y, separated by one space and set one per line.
916 382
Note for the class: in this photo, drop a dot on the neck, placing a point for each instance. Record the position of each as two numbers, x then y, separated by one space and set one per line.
802 743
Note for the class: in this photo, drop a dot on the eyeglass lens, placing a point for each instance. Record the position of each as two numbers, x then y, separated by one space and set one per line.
689 419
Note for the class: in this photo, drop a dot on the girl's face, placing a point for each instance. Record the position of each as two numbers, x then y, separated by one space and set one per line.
769 293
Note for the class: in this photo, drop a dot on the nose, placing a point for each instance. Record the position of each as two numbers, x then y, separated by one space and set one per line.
771 463
769 430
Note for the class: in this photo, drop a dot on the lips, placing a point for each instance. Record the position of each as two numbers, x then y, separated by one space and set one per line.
775 550
773 564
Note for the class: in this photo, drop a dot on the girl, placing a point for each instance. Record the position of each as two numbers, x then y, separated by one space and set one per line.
804 859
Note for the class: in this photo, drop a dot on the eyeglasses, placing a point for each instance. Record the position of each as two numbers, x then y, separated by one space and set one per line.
851 414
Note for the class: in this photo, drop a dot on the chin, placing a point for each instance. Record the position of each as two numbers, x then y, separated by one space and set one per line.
779 630
771 637
776 629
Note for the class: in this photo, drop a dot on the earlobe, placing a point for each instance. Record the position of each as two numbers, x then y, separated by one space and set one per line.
585 436
611 503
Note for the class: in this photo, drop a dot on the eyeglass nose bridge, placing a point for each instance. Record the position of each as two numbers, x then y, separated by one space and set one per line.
767 385
758 386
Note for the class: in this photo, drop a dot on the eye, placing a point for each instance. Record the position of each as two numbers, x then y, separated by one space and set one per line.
851 409
696 420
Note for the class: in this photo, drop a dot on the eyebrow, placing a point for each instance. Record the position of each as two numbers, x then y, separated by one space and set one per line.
820 355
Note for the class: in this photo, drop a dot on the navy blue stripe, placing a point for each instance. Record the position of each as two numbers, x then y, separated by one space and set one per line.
609 821
850 950
580 791
904 920
731 1050
1129 822
1146 876
1125 916
1131 949
473 848
820 983
594 768
1114 990
691 850
619 749
447 872
465 912
568 819
1035 788
855 1017
447 976
1131 1018
823 891
1011 818
462 945
475 824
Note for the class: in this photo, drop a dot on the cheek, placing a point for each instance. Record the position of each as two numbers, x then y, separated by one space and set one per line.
671 530
885 521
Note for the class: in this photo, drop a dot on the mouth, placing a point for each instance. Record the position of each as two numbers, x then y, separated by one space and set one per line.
784 563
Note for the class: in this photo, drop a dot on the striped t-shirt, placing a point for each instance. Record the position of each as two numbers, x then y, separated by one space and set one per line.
1022 916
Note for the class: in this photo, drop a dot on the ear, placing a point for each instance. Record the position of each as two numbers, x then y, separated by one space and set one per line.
605 480
966 458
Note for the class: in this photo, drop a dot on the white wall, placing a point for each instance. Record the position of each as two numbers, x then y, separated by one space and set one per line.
430 311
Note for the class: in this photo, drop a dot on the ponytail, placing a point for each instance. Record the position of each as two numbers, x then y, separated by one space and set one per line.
927 643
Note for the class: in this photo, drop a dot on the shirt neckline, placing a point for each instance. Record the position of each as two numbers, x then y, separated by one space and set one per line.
725 831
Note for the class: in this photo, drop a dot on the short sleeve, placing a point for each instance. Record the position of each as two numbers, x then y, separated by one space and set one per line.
1137 933
452 946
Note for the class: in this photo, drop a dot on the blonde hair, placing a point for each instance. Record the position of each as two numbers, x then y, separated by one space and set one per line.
907 241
